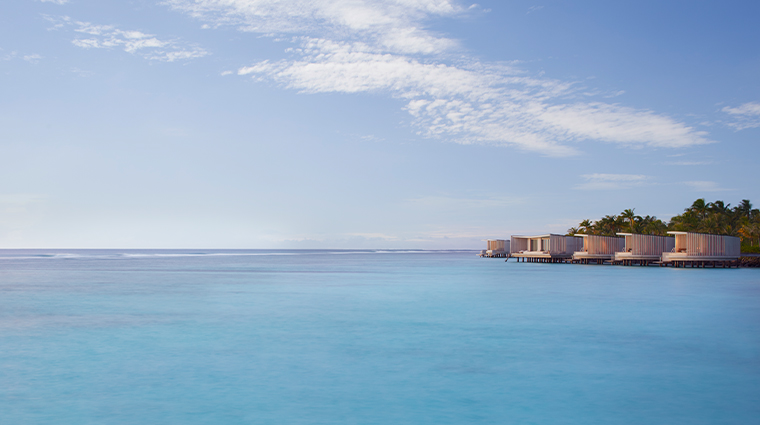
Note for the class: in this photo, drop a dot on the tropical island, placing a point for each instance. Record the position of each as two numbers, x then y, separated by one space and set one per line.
706 234
717 218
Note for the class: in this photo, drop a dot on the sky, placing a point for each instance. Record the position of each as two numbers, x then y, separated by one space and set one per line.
407 124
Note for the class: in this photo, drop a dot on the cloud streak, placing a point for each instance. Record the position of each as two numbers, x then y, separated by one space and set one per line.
745 116
91 36
706 186
393 24
489 203
382 47
687 162
600 181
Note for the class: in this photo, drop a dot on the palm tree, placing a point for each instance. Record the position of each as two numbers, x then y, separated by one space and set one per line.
585 226
608 225
727 219
719 207
700 208
744 209
651 225
631 217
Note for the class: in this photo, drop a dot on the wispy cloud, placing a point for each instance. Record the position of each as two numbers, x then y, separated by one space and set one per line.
706 186
82 72
381 236
54 1
745 116
149 46
381 47
393 24
687 162
490 203
599 181
19 203
534 9
32 58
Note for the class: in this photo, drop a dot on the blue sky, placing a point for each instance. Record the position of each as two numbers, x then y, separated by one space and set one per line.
366 124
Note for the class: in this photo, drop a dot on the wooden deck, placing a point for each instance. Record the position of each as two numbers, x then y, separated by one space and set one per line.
586 258
631 259
702 263
494 254
682 259
639 260
540 257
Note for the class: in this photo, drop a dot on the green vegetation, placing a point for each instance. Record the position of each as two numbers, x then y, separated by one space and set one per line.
702 217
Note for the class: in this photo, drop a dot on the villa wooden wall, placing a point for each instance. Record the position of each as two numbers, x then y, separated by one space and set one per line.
648 244
555 244
564 244
518 244
598 245
498 245
699 244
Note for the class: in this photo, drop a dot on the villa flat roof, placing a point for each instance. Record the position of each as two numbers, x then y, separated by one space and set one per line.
537 236
674 232
642 234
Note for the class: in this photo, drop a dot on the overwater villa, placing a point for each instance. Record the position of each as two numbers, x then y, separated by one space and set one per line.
683 249
496 248
549 248
598 249
643 249
701 250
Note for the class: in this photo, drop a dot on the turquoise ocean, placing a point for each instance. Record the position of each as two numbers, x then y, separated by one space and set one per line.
371 337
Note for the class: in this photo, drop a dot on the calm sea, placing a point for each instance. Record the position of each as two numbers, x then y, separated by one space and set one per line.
371 337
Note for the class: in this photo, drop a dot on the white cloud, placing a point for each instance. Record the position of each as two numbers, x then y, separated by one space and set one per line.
473 103
19 202
600 181
687 162
135 42
381 236
441 203
55 1
746 115
382 47
81 72
395 24
32 58
705 186
534 9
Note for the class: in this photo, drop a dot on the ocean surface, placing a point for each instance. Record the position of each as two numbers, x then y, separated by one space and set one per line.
371 337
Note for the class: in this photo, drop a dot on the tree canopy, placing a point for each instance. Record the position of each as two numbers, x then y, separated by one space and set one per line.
715 217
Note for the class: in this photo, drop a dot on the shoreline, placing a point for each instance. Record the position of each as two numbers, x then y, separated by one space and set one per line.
749 260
